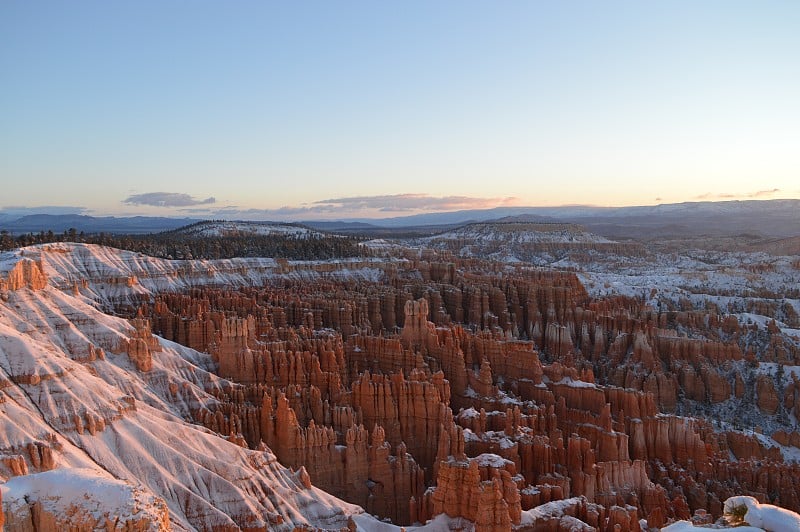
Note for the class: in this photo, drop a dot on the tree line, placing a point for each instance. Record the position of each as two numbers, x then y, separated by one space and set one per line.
174 245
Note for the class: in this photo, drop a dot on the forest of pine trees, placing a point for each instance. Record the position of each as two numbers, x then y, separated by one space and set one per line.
175 245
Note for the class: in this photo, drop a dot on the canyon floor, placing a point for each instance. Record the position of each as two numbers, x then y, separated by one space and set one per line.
522 376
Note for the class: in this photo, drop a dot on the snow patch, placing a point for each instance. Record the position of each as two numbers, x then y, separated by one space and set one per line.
83 490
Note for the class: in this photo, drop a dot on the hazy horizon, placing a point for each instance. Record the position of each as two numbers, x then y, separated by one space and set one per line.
355 110
8 214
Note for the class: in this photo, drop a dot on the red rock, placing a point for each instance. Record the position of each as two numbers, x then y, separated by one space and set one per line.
26 273
349 404
766 396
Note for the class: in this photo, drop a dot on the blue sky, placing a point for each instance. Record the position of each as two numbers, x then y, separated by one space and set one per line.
298 110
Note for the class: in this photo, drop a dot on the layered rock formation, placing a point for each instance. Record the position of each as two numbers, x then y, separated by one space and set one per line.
415 387
564 434
93 432
25 273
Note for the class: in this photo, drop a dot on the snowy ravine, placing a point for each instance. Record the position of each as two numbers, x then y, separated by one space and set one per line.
87 437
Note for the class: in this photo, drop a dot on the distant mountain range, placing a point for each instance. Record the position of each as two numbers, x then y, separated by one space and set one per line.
58 223
778 208
768 218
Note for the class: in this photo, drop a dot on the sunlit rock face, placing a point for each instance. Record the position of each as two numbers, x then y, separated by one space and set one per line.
25 273
232 393
94 431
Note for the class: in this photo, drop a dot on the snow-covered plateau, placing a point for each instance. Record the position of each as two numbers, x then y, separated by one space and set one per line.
243 228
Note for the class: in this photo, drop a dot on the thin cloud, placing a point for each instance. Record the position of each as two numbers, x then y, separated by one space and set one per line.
231 212
210 210
413 202
364 206
196 210
751 195
166 199
765 193
713 196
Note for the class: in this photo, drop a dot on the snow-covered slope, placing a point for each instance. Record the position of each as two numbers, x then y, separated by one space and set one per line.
80 421
109 277
521 232
746 514
537 243
228 228
89 497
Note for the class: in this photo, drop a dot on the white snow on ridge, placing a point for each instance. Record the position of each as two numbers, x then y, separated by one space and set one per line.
98 495
722 278
244 228
760 517
520 233
490 460
440 523
108 275
568 381
103 415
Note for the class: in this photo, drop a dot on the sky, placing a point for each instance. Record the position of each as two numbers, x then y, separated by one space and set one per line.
337 109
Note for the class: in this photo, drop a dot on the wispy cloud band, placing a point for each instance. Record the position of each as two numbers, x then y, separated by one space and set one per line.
166 199
413 202
360 206
729 196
